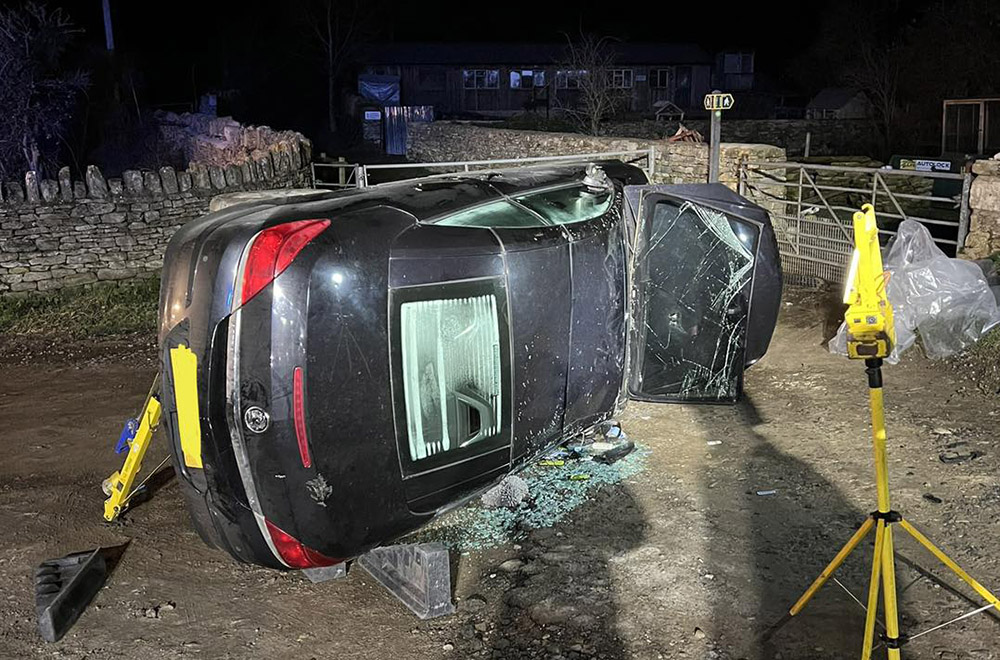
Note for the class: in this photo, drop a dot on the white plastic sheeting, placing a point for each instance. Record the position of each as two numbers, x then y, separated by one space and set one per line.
946 302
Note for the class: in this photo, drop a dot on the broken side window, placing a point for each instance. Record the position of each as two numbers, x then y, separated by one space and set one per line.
451 373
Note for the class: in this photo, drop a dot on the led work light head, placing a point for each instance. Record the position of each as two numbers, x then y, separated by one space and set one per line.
870 331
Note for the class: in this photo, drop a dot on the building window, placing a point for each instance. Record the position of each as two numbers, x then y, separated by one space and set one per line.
481 78
621 78
737 63
737 70
659 78
569 79
527 78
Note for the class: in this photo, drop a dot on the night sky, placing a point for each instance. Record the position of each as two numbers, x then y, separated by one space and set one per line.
200 43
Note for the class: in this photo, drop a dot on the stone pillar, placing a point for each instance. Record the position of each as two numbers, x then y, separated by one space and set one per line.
984 200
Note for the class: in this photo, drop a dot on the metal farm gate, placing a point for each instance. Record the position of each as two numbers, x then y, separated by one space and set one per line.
812 207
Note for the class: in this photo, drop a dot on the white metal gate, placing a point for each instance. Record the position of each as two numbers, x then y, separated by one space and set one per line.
354 175
812 207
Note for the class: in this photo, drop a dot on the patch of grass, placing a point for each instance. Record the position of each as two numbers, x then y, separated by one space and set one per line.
91 311
982 361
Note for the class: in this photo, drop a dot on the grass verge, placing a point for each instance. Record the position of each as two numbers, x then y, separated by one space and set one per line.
92 311
982 362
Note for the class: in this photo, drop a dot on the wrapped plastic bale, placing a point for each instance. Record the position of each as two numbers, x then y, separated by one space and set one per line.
947 302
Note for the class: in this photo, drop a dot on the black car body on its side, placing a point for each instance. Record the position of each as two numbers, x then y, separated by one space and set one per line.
341 367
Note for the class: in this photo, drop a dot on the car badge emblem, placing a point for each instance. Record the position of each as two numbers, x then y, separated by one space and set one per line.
256 419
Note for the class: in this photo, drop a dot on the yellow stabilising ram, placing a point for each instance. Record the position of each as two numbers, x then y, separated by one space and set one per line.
870 331
119 485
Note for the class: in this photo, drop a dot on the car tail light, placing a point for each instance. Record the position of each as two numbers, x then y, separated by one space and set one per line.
293 553
273 250
299 413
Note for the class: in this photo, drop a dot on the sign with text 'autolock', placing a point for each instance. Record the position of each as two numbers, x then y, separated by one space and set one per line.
718 101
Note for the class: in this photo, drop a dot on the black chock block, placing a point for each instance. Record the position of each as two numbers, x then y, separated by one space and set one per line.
418 574
63 589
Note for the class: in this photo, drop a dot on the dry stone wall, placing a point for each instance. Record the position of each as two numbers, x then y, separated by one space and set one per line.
65 232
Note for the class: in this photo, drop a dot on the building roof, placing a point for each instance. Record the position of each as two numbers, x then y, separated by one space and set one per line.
528 54
833 98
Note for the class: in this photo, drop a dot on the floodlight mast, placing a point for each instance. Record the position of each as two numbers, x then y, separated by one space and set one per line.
870 337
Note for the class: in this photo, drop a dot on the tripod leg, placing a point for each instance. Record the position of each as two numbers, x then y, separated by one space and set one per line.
873 584
832 566
889 595
947 561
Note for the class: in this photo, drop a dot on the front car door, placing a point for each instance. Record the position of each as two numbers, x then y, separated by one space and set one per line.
698 253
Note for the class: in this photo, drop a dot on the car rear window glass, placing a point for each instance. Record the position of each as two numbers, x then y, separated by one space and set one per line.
564 206
559 206
495 214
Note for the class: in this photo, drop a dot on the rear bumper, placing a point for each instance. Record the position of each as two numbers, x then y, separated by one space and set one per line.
214 491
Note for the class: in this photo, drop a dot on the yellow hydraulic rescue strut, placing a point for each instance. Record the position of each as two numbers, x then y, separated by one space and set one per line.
870 337
137 436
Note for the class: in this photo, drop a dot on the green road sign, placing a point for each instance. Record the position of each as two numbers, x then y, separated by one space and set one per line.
718 101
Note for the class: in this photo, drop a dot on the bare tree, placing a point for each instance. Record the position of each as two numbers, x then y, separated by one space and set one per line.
37 93
876 72
588 69
339 28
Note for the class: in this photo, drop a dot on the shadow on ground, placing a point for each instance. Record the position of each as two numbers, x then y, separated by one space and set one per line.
558 599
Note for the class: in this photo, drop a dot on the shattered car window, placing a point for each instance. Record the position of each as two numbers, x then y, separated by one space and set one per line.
451 373
693 289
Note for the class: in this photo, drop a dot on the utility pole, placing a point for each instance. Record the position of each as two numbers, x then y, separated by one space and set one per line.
715 133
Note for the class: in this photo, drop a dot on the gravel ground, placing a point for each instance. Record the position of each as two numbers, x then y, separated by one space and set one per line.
680 559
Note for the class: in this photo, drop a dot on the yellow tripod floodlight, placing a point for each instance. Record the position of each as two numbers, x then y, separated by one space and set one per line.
870 337
870 332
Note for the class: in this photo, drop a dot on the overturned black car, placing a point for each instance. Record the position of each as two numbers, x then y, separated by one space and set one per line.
341 367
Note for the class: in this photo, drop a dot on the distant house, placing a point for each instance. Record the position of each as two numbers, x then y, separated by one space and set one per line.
839 103
506 79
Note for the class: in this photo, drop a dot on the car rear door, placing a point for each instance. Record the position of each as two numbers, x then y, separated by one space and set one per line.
694 263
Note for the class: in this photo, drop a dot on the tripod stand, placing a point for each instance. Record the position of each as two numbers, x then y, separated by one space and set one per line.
870 337
883 564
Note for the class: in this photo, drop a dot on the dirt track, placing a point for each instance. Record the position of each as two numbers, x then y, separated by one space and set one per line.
684 560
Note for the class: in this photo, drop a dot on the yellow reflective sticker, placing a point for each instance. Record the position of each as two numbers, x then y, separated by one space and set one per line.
184 368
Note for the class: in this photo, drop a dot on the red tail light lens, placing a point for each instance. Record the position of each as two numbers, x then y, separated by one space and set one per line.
293 553
273 250
299 413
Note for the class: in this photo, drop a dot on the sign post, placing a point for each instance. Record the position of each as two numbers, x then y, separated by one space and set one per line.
715 103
